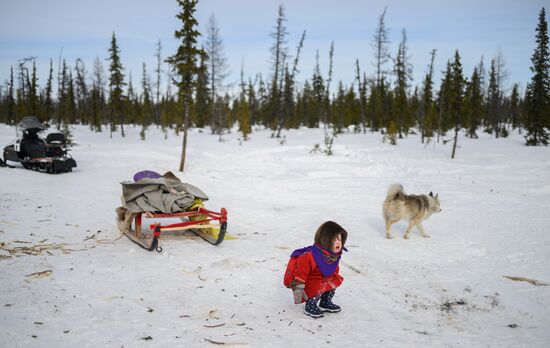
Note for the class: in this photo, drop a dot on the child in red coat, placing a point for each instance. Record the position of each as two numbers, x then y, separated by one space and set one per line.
312 272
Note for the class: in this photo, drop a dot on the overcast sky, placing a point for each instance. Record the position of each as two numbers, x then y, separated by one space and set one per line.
83 29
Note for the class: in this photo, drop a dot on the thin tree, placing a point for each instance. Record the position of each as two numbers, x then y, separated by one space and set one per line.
71 103
329 140
502 75
242 109
456 99
493 102
288 92
201 105
48 100
98 96
184 63
403 74
10 102
427 107
515 109
82 93
444 101
380 44
217 71
538 90
497 76
158 72
62 97
116 83
146 109
278 56
33 92
474 104
362 95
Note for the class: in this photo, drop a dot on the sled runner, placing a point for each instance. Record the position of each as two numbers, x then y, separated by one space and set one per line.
154 197
196 221
46 155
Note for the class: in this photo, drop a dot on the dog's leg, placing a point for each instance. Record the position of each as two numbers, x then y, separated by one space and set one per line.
409 228
421 229
388 226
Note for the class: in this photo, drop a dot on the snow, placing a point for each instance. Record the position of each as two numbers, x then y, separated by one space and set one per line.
104 291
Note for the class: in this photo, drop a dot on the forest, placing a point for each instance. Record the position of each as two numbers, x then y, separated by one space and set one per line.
383 99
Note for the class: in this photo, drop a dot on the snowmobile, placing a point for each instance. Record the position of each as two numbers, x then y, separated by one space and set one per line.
46 155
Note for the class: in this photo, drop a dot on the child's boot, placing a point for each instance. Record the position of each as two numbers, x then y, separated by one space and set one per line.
326 304
311 308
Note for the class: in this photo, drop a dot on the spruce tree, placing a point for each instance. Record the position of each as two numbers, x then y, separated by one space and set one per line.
116 84
428 115
253 103
444 119
33 93
82 93
403 72
71 103
184 63
456 100
538 90
97 99
242 110
376 105
203 103
474 104
146 108
131 106
515 108
493 102
48 101
318 92
63 102
338 110
287 100
10 103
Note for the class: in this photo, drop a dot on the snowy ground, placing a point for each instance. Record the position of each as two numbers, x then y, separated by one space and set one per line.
449 290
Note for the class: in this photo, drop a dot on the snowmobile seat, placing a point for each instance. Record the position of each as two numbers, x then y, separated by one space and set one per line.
55 138
32 146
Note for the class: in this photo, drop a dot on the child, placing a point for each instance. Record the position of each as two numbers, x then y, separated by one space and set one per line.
312 272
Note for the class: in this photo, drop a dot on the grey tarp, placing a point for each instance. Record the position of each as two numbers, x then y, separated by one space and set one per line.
159 195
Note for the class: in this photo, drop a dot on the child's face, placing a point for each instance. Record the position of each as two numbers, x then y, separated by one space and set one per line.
337 244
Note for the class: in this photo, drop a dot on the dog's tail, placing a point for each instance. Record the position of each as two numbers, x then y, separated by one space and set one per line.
395 191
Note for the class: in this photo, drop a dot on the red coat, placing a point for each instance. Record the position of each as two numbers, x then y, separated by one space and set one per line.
308 272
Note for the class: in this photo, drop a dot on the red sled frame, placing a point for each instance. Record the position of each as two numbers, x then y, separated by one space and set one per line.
195 226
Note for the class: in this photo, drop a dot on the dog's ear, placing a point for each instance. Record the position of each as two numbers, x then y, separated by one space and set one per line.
436 195
431 194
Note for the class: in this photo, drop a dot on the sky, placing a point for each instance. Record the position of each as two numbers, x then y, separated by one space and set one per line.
74 29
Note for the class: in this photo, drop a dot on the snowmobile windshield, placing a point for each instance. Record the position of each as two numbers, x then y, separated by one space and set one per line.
30 122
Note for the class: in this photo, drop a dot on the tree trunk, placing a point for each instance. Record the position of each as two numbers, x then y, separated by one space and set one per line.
185 128
439 121
360 89
454 142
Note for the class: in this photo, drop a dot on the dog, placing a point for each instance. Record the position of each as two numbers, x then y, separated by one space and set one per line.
413 208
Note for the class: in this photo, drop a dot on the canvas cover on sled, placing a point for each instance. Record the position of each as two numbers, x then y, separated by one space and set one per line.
164 194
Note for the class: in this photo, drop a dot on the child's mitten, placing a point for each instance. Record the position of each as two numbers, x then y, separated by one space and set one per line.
299 293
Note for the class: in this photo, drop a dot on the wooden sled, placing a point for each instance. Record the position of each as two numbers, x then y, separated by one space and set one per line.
197 221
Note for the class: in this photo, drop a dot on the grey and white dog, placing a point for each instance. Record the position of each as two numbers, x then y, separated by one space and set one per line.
413 208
